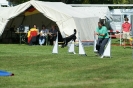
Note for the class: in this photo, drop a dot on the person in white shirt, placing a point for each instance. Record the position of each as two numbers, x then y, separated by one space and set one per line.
43 34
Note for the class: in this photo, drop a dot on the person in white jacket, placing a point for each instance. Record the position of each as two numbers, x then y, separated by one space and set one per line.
43 34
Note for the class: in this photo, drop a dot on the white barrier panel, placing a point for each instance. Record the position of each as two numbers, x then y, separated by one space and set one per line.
107 51
81 48
95 42
55 48
71 48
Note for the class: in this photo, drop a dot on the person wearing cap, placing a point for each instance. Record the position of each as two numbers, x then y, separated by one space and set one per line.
126 28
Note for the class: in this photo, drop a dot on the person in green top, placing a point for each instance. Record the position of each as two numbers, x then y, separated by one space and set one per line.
103 38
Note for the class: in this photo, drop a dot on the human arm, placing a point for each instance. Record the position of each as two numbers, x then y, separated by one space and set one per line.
99 34
50 32
28 34
130 28
46 32
96 32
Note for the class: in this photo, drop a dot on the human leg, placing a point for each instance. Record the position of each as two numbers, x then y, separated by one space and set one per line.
124 43
131 45
40 39
102 45
54 39
98 44
124 38
30 43
43 40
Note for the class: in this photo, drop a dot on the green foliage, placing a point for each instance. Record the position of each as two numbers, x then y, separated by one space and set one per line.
37 67
86 2
109 1
83 1
20 1
49 0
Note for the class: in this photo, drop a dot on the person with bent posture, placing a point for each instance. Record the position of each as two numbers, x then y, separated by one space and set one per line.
103 38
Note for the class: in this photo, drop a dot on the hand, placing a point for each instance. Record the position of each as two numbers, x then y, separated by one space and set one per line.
96 33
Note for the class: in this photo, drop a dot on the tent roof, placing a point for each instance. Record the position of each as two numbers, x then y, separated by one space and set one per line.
56 6
66 17
100 12
63 8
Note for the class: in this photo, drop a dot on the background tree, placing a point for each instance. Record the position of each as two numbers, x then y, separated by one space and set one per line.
81 1
15 2
85 2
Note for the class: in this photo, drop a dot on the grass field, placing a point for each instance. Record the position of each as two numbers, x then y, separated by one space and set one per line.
37 67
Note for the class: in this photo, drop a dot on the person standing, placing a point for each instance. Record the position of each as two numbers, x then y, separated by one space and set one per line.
43 35
126 28
103 38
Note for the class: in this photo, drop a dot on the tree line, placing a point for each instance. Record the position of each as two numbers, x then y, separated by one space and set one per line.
81 1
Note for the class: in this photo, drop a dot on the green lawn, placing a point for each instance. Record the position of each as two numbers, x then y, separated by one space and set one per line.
37 67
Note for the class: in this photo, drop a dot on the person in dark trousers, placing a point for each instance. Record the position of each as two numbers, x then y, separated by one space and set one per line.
53 34
103 38
32 35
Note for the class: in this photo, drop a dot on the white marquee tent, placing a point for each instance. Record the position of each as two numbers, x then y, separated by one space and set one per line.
102 12
66 17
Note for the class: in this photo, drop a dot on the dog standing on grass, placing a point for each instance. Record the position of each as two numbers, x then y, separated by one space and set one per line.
69 38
